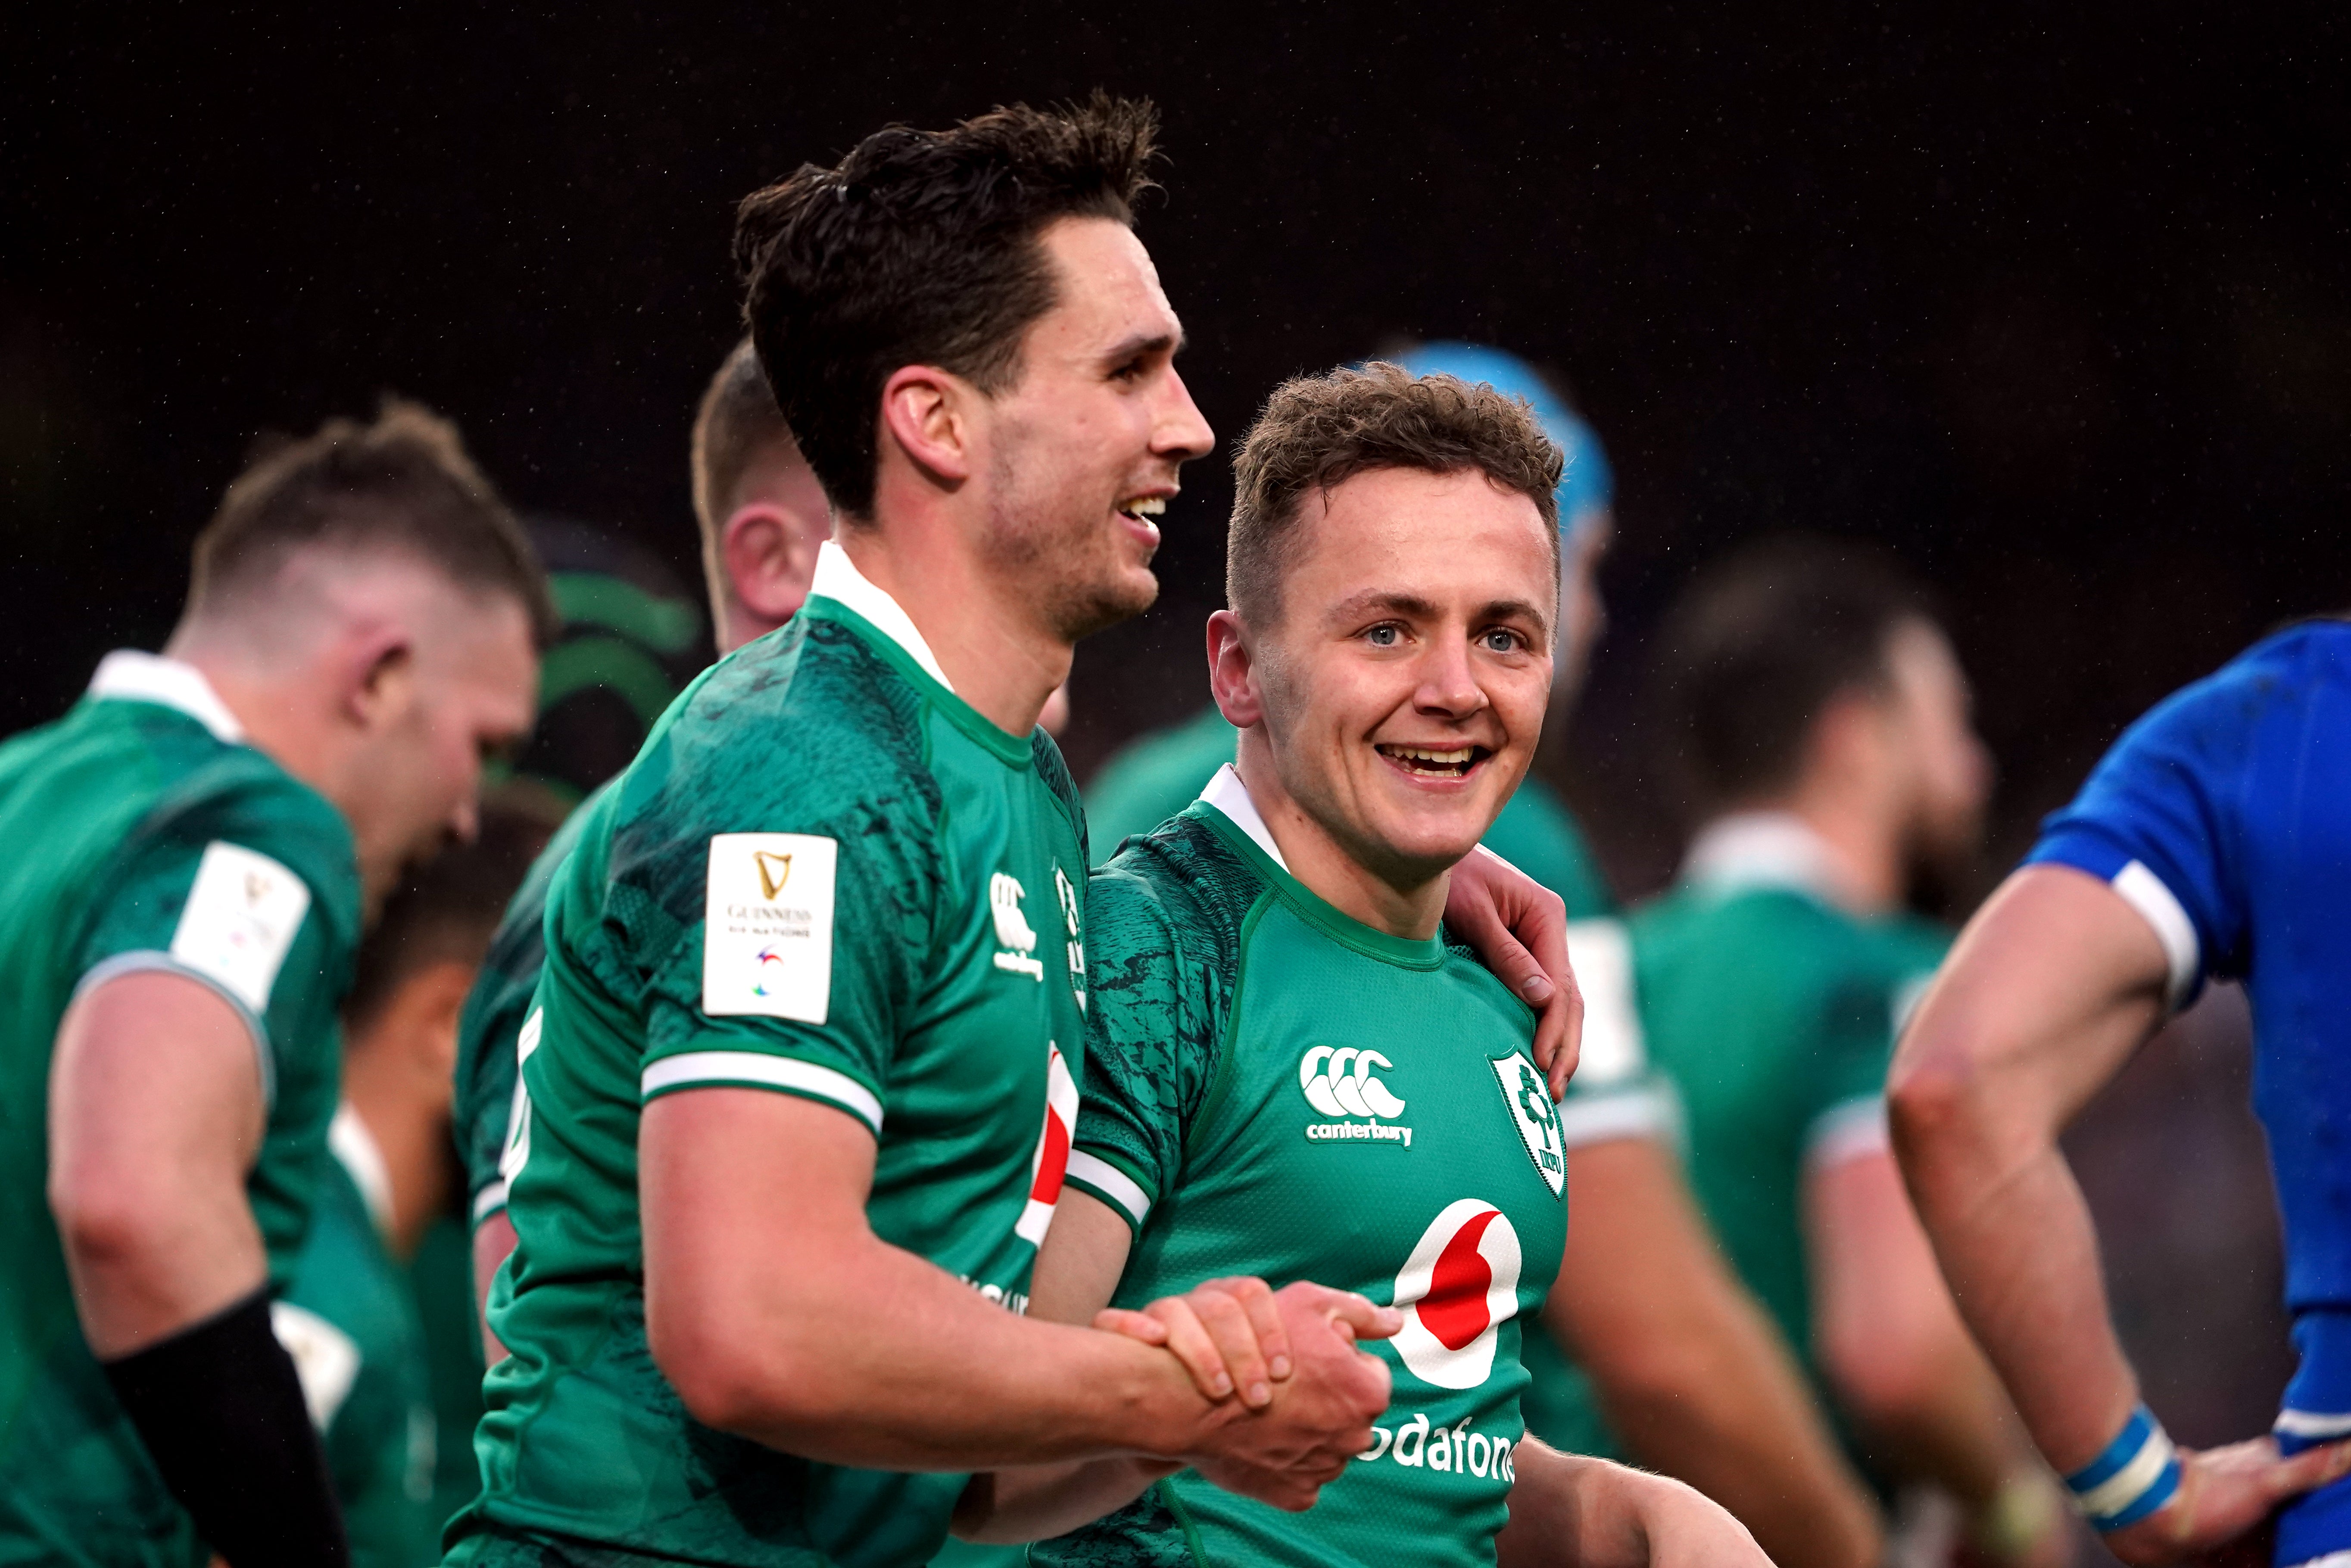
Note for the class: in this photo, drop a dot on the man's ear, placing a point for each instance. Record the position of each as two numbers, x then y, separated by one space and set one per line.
927 413
1232 670
379 684
769 560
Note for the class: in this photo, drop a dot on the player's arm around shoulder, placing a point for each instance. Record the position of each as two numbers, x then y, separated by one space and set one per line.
1570 1511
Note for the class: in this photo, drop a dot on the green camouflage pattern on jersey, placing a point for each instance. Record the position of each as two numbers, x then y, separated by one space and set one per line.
950 1022
1224 1122
110 813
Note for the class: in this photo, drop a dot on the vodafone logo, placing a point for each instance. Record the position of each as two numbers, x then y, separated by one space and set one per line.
1052 1160
1457 1289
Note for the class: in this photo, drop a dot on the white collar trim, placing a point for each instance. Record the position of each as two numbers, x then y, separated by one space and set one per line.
1229 796
130 675
837 578
1761 849
349 1141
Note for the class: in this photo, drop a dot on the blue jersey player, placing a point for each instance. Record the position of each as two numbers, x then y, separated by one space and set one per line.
2212 842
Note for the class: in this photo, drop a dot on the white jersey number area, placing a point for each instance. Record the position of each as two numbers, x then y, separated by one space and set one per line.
766 931
1458 1288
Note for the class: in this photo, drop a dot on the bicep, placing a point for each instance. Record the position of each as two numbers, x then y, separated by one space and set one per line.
752 1200
2050 987
1079 1266
156 1079
1878 1293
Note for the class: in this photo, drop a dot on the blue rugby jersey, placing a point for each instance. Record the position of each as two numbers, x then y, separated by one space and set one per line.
2224 817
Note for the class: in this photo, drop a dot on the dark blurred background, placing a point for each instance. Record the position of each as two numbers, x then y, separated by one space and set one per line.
2055 307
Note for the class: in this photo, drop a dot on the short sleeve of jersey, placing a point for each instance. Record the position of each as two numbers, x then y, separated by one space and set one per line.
1152 1021
1843 1092
2157 820
790 960
249 889
1615 1092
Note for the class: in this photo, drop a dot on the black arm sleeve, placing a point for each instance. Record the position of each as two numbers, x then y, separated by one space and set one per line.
221 1412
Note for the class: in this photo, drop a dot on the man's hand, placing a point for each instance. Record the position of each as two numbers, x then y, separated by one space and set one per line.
1228 1332
1687 1530
1570 1511
2223 1493
1519 928
1320 1417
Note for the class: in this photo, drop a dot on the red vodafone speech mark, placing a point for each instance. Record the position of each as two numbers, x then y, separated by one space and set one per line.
1052 1160
1455 1308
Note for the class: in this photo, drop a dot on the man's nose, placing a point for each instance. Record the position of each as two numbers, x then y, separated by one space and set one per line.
1448 683
1181 431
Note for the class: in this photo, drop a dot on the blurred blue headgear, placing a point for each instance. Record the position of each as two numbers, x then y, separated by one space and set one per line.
1586 485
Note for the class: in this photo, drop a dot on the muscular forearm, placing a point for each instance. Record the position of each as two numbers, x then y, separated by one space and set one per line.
2015 1240
1036 1503
881 1360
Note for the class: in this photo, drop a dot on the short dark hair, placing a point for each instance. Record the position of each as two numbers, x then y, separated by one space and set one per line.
921 247
736 422
1762 643
448 909
1317 431
402 482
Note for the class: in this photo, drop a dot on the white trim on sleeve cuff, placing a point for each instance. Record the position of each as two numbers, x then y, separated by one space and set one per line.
1111 1182
1619 1113
716 1068
489 1201
2144 891
1848 1131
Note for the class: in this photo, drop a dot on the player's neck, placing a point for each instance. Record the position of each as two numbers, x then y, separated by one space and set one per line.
984 633
277 708
1409 908
1859 840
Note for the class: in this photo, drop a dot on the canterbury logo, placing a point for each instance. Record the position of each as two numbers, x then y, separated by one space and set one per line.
774 870
1338 1082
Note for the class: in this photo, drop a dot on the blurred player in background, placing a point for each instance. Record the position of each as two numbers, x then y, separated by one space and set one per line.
762 516
1691 1374
2212 842
1825 724
350 1320
1394 572
195 847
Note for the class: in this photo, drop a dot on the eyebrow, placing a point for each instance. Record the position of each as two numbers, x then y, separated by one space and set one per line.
1403 604
1129 348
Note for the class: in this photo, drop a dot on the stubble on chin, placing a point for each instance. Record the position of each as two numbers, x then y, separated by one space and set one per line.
1070 569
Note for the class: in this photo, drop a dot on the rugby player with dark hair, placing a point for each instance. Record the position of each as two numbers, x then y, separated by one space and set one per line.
1824 729
1291 1071
195 848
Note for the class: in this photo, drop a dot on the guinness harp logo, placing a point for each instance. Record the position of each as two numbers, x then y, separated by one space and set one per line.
774 870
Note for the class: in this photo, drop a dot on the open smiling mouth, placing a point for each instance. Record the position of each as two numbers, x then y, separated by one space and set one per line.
1435 761
1143 508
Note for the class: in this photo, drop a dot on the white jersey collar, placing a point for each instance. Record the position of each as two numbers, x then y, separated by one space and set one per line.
837 578
1230 797
349 1141
1763 849
130 675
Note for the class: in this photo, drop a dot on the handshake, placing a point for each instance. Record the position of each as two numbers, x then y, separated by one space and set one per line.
1291 1397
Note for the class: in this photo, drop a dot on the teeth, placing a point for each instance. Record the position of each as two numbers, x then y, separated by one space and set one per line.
1144 506
1455 757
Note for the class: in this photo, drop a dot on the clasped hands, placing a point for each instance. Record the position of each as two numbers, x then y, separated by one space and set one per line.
1296 1398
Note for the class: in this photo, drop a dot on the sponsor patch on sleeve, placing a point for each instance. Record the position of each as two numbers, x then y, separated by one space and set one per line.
242 915
768 925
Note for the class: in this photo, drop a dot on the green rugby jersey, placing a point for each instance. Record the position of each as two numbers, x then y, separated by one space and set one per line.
1774 1012
826 875
145 833
1157 775
350 1324
485 1105
1279 1090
